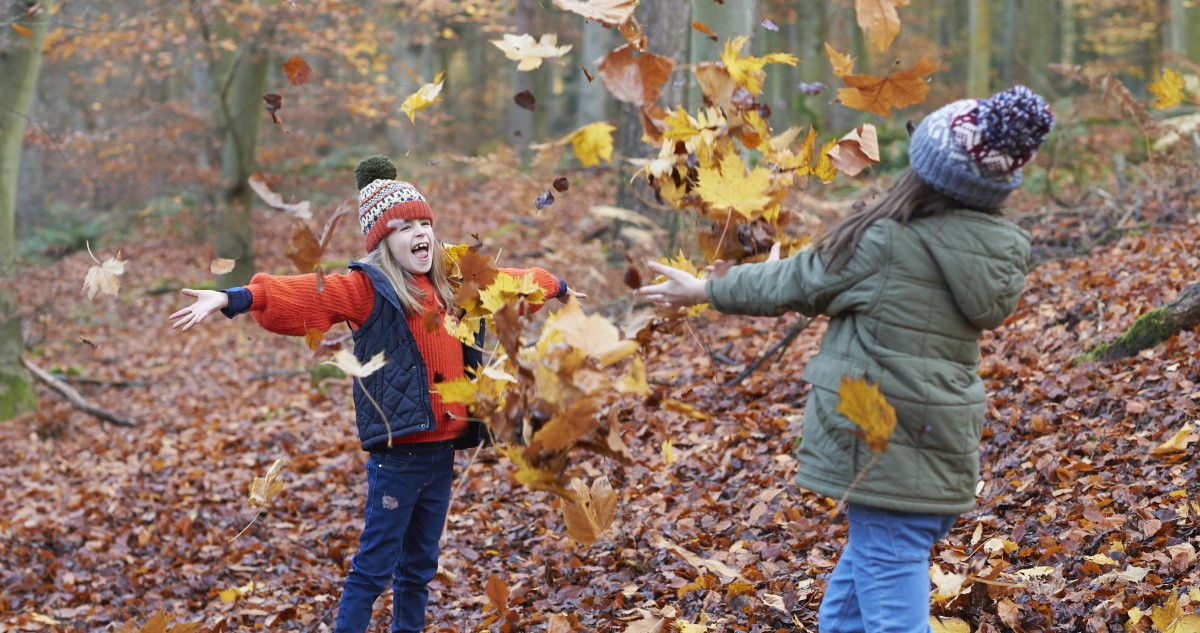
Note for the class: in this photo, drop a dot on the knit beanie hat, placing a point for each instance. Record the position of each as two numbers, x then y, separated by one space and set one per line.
382 199
972 150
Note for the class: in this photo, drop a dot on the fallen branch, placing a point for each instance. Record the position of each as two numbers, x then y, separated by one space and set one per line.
1152 328
74 397
777 348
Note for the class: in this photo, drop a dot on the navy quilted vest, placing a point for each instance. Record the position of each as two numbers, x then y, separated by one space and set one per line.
401 387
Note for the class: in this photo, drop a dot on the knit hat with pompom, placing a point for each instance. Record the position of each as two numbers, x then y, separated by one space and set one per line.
382 199
972 150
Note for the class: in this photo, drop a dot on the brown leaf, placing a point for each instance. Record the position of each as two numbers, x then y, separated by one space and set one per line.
304 250
274 102
637 80
561 184
497 593
220 266
587 74
856 151
258 184
298 71
880 21
525 99
880 94
592 510
703 28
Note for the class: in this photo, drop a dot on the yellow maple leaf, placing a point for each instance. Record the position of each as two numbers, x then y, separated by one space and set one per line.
426 96
730 187
1170 618
593 143
264 488
842 64
593 334
345 360
680 127
880 94
692 627
1168 89
879 20
635 381
865 406
103 277
233 593
668 452
528 51
535 478
465 329
461 390
945 585
948 625
591 510
747 72
1178 442
507 289
824 168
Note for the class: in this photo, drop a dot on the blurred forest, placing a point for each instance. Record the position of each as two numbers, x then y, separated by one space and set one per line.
151 146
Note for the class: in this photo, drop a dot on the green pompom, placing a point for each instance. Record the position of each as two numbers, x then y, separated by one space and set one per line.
374 168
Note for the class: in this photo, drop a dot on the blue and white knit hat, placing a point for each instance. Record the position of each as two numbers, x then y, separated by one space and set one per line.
972 150
382 200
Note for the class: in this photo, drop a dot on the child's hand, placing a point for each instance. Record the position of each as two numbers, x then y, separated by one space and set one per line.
579 296
207 302
679 290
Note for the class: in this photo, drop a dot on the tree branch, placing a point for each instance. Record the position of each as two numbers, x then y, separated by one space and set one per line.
74 397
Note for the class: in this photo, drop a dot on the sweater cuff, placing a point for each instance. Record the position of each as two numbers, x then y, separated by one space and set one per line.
240 300
562 288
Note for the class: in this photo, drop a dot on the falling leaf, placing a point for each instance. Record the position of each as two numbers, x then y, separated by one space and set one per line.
632 278
610 13
22 29
748 71
592 510
424 97
879 20
258 184
683 626
649 623
566 428
303 249
530 52
593 334
775 602
945 585
506 289
593 143
103 278
856 151
865 406
703 28
274 102
264 489
297 70
769 24
1178 442
880 94
497 593
730 187
1168 89
525 100
221 266
668 452
587 74
544 200
842 64
348 363
810 89
561 184
637 80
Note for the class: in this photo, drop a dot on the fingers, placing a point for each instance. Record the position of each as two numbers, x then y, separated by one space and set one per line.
190 293
774 254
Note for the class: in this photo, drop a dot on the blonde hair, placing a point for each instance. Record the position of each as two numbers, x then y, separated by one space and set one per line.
402 280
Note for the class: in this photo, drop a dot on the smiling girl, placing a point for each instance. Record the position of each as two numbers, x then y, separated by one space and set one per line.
384 299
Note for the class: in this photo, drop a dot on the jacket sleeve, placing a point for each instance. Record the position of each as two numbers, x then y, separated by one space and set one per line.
801 283
552 287
293 305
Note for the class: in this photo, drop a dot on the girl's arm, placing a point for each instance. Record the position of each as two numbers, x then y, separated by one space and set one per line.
290 305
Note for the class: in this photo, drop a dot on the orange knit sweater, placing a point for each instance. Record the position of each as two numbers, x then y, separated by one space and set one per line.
292 305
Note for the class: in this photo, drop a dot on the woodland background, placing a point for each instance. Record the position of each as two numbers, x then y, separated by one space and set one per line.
146 124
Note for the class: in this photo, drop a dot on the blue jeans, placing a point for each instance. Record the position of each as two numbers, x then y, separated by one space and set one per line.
881 582
408 495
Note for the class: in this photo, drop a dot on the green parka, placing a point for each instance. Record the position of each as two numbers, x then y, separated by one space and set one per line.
905 312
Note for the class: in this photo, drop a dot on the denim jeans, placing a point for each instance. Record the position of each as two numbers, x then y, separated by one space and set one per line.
881 582
408 495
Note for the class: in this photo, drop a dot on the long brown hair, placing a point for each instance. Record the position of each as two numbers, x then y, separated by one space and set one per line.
910 198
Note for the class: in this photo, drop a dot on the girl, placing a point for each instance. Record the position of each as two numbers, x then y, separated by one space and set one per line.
384 299
908 285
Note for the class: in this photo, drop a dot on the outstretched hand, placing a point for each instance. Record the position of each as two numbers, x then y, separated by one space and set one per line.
681 289
207 302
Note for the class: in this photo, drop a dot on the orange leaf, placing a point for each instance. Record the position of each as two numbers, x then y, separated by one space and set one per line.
703 28
297 71
22 30
842 64
880 94
878 18
865 405
591 512
635 80
856 151
304 250
313 338
497 593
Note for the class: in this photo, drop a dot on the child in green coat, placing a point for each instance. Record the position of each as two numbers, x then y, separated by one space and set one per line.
908 285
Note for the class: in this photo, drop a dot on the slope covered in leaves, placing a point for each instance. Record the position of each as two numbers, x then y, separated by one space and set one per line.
1088 514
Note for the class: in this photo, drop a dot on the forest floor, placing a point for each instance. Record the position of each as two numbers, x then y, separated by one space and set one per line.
1088 519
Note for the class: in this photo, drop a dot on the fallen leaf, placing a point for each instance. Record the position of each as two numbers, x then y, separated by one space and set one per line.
297 70
424 97
592 510
1178 442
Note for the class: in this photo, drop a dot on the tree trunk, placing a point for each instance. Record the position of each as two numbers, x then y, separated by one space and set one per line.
1068 39
242 112
20 60
1037 35
979 49
727 21
1152 328
593 98
520 121
667 26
